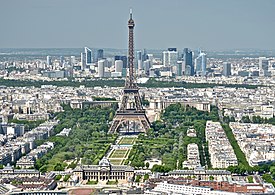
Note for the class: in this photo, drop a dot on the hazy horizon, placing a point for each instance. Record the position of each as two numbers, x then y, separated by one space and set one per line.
210 25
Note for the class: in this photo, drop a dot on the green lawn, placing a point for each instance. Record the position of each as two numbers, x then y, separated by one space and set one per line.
119 153
92 182
127 141
116 161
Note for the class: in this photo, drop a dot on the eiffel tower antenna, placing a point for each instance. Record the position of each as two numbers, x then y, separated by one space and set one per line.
131 13
130 110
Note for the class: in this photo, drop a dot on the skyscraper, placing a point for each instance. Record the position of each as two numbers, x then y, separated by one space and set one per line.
123 58
88 53
62 59
263 66
165 58
144 56
101 68
118 65
125 61
139 60
146 65
226 69
49 60
179 68
139 55
170 57
72 60
203 64
200 63
99 54
187 58
83 60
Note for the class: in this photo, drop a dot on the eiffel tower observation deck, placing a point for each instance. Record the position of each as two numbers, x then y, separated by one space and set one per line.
130 117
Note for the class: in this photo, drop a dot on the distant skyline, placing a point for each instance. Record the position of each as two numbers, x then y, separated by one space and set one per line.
206 24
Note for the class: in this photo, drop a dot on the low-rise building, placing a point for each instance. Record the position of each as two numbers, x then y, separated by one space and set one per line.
201 173
8 171
193 156
220 149
256 141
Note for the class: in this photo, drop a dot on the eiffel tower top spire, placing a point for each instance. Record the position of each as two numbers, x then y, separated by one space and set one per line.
131 21
130 83
131 13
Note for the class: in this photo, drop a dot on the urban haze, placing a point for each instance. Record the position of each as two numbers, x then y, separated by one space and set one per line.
212 25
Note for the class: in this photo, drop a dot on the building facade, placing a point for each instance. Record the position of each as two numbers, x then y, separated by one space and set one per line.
104 171
187 58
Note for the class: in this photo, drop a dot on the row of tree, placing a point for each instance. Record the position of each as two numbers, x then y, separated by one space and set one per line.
152 83
88 138
167 139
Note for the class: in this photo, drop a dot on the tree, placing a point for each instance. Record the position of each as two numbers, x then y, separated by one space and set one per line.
58 167
250 179
66 178
161 168
147 165
111 116
245 119
43 169
138 177
58 177
146 177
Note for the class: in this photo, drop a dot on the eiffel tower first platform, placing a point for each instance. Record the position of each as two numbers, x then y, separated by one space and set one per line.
130 115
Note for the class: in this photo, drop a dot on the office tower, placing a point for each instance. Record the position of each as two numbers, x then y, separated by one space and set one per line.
150 57
88 53
200 63
170 57
173 56
125 64
165 58
99 54
147 65
109 62
118 65
139 55
49 60
187 58
203 64
144 56
263 66
83 60
101 67
72 60
179 68
139 60
62 59
123 58
226 69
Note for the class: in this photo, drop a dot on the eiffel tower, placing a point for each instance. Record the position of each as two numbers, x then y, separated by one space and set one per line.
131 107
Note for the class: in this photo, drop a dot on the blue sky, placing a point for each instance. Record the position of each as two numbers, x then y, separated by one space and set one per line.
207 24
